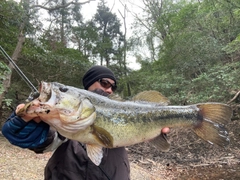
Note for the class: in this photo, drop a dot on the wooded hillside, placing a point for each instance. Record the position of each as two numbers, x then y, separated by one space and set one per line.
188 50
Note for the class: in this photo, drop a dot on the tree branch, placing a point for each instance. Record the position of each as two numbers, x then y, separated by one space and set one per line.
235 97
60 6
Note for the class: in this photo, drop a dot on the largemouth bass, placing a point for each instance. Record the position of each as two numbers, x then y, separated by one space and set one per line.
98 121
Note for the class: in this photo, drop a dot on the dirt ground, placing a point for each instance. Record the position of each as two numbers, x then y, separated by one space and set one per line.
190 158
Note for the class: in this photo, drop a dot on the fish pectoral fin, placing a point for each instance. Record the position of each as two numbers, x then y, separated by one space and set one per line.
95 153
102 136
151 96
161 143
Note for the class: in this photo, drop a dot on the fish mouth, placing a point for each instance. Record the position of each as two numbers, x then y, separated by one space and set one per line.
44 102
45 90
71 109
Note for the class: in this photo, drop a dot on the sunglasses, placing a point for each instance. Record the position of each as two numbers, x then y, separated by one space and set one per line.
106 84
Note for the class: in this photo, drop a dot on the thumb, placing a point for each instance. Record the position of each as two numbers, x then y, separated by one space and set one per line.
26 117
20 106
165 130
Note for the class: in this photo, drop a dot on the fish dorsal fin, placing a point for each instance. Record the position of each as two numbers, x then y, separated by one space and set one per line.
161 143
151 96
102 136
95 153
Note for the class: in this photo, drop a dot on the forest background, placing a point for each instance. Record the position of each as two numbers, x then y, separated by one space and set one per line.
189 50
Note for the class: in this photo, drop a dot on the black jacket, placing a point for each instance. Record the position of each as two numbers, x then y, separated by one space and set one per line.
70 162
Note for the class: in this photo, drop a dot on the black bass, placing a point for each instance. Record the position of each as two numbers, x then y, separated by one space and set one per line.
98 121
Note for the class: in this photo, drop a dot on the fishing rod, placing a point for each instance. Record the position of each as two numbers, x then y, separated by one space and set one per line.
34 94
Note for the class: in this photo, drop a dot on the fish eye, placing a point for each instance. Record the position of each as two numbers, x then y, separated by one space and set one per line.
63 89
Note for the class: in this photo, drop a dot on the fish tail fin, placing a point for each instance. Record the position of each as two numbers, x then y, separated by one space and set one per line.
212 120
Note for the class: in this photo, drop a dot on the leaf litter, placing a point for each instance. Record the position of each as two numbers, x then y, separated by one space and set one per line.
189 158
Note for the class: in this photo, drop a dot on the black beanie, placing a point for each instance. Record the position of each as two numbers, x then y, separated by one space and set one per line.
95 73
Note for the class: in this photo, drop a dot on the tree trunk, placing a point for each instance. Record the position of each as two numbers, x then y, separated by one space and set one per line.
15 56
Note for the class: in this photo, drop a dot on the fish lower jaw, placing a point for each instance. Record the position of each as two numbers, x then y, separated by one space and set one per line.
38 111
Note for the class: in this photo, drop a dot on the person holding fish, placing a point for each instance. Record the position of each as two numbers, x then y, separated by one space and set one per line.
70 159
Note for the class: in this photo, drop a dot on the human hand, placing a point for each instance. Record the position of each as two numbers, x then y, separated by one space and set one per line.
27 117
165 130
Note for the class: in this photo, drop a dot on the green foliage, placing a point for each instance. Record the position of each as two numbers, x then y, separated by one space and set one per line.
198 56
110 39
85 37
214 85
64 65
6 103
9 24
192 42
62 18
233 47
4 70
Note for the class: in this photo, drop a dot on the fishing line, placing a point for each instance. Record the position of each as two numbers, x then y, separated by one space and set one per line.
35 92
